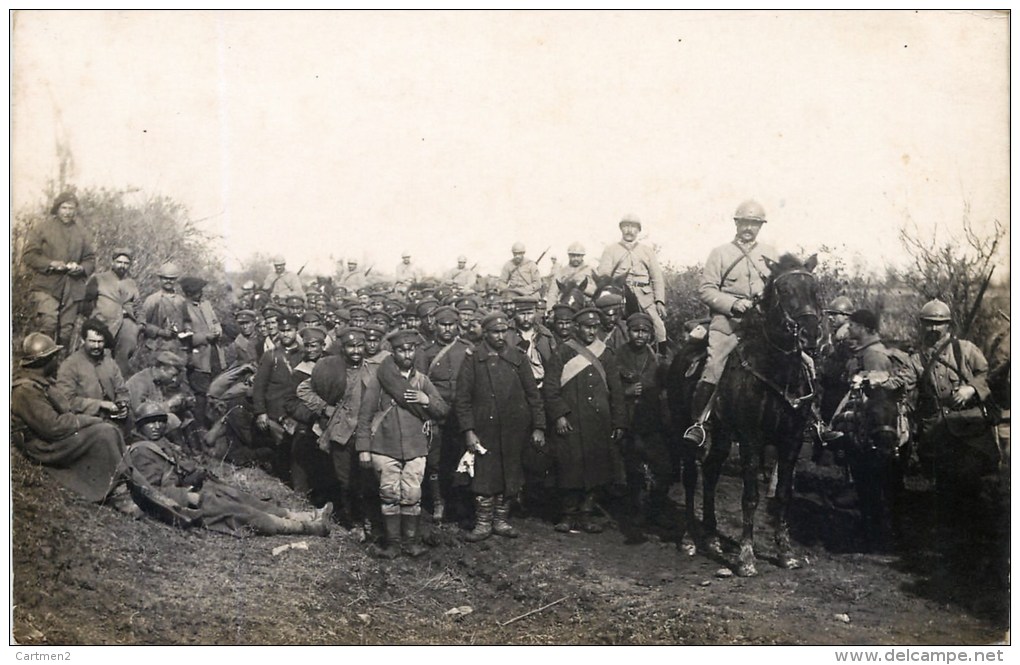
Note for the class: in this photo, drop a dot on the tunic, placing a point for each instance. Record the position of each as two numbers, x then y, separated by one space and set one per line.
84 382
163 313
524 278
385 428
722 285
52 240
462 276
405 275
206 355
222 508
497 398
81 451
274 383
116 299
593 406
283 285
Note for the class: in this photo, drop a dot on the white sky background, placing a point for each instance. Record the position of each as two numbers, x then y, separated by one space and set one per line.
327 135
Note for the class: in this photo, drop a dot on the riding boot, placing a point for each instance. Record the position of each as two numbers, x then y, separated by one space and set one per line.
501 511
391 547
483 519
438 507
695 434
412 546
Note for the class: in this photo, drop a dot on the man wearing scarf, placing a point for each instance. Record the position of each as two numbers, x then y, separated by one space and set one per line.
398 407
584 399
499 409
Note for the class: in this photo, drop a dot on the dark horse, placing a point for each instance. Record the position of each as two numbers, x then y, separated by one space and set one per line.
574 293
764 399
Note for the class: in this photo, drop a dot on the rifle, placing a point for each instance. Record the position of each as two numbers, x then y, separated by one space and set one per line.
542 255
977 305
369 269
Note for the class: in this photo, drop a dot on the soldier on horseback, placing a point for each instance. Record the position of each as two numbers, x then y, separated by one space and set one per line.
639 264
733 277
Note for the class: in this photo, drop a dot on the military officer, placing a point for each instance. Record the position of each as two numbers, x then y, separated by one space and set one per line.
577 269
406 273
733 276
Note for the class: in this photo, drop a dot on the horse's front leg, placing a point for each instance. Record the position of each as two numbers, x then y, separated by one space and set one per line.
784 494
750 453
691 532
711 469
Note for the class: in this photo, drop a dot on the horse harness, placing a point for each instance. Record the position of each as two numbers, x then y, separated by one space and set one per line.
795 402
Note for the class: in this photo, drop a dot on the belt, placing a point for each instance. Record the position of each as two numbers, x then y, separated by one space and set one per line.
640 283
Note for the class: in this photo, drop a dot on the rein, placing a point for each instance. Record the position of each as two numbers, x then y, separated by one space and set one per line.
795 402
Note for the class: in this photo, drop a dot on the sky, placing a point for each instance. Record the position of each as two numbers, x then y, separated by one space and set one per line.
323 136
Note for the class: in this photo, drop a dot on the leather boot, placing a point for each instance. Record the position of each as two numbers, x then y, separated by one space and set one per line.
695 434
438 507
500 512
391 548
483 519
412 546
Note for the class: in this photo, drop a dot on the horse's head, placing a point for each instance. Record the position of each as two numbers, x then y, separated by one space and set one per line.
572 293
617 285
790 305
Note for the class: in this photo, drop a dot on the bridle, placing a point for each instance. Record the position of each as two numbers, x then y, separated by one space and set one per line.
790 324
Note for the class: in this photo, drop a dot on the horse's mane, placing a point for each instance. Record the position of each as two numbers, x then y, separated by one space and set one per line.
789 262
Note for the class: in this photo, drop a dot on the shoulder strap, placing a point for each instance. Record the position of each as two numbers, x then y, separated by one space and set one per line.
439 356
590 357
964 376
744 255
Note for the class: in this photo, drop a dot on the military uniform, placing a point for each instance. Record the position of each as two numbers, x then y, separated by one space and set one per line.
163 318
84 382
82 452
115 301
729 275
404 275
644 277
524 279
464 277
352 280
283 285
56 295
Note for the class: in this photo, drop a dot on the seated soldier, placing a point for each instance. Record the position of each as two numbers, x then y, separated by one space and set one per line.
166 482
81 451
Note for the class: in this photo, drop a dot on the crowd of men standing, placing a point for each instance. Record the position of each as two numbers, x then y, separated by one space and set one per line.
427 392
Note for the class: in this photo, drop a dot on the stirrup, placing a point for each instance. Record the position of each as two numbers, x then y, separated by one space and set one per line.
695 435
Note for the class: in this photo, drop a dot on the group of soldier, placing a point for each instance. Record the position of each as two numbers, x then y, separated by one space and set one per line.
477 399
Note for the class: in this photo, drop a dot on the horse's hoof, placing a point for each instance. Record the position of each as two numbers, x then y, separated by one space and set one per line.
789 562
688 547
714 546
747 570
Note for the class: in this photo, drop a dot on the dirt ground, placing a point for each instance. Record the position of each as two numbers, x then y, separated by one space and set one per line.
86 575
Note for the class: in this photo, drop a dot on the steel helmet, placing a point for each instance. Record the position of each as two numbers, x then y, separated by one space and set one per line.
575 248
169 269
279 261
840 305
37 346
518 247
148 411
630 219
935 310
750 211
